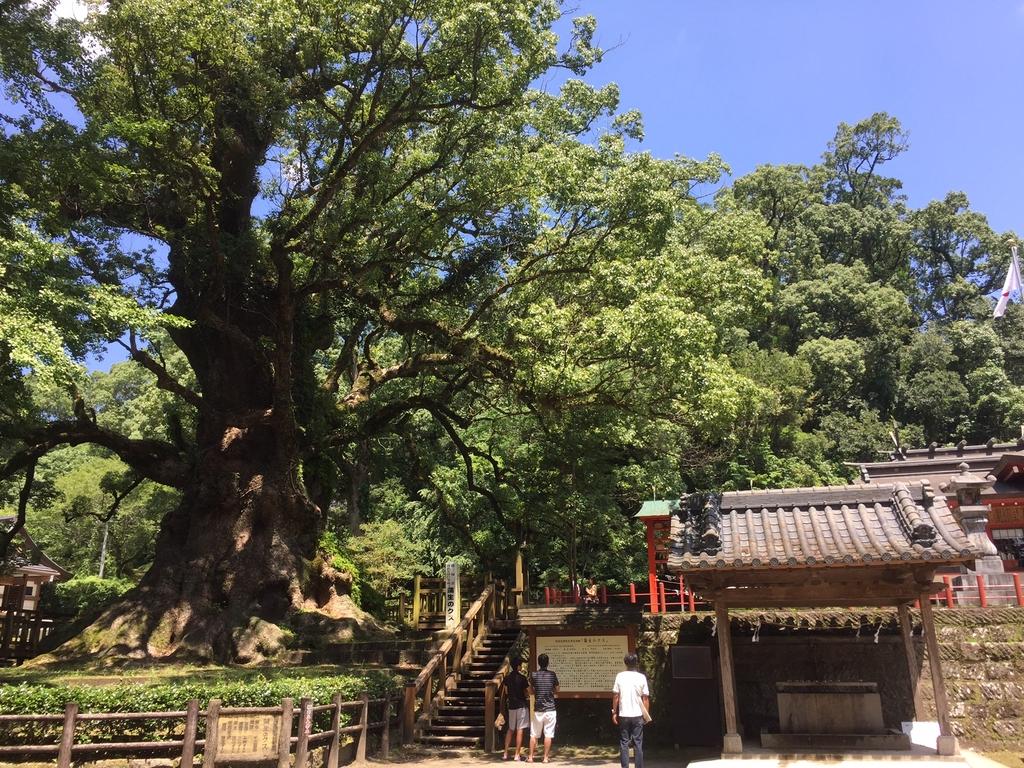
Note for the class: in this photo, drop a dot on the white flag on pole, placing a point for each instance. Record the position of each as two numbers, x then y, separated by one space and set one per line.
1013 283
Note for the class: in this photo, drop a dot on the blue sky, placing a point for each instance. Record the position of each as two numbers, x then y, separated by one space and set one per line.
768 81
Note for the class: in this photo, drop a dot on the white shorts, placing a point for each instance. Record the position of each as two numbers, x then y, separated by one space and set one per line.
519 719
543 722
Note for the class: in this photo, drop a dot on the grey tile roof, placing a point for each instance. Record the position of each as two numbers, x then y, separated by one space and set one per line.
939 463
818 527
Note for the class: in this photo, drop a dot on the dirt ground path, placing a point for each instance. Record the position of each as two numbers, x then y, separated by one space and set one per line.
565 756
609 758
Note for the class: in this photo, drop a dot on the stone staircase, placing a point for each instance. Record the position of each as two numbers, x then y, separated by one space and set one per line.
460 720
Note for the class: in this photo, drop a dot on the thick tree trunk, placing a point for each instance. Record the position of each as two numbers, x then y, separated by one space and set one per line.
231 561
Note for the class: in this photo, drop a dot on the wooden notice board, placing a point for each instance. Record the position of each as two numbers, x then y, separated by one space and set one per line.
1006 514
586 662
248 737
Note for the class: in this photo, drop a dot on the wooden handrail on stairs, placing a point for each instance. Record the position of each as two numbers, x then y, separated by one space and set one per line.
420 702
491 688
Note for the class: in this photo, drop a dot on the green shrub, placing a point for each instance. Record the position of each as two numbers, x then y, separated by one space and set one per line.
35 698
83 594
339 559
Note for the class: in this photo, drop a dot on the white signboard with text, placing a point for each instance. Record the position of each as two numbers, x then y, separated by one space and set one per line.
585 664
452 598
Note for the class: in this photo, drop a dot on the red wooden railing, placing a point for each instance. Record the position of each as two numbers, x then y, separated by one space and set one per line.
979 590
672 595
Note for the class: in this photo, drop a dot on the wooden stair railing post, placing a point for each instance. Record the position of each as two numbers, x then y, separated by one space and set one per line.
35 634
428 694
188 742
67 735
364 732
212 729
284 738
385 734
334 750
460 647
408 712
305 728
490 689
416 600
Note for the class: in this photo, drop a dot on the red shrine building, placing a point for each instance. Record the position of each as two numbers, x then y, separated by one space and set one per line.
1002 463
931 468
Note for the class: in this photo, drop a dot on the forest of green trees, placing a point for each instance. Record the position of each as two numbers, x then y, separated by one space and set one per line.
382 298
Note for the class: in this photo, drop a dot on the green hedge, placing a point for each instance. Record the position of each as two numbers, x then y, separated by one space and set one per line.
83 594
34 698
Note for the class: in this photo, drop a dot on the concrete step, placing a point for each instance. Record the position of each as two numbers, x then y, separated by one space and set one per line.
445 719
462 710
454 730
452 741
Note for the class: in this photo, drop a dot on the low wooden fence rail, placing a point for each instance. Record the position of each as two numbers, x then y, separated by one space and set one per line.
230 733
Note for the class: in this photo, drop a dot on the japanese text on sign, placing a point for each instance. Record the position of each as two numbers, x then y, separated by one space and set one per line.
584 663
248 737
452 597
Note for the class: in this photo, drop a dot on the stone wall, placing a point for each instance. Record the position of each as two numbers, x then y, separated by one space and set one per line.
982 654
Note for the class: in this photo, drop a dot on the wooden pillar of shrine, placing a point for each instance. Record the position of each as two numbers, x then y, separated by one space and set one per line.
732 742
907 630
946 743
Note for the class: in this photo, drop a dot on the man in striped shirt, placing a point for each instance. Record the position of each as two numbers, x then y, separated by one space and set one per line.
543 687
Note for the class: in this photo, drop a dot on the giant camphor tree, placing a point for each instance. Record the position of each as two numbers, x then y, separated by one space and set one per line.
330 208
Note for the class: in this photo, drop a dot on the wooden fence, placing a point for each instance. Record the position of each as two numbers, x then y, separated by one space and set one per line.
227 732
21 630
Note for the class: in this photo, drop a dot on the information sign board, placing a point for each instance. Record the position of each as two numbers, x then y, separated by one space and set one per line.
248 737
1006 514
452 598
586 664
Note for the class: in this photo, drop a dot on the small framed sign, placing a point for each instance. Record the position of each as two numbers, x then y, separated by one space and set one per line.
452 598
248 737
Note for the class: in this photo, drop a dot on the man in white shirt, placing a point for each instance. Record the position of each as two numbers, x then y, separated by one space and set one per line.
630 699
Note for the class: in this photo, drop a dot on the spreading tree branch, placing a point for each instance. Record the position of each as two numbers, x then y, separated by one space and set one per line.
6 537
153 459
164 380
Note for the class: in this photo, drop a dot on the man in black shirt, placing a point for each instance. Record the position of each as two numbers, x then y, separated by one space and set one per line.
515 687
544 686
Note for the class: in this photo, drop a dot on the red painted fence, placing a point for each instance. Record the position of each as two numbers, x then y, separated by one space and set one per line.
970 590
